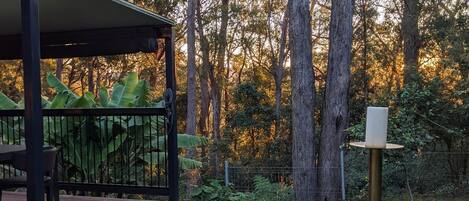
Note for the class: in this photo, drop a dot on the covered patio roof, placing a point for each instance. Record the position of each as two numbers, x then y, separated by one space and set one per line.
71 28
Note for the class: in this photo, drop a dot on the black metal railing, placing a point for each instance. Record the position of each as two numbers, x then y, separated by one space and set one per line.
121 150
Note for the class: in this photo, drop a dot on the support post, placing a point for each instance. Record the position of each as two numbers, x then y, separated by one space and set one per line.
173 163
227 181
32 99
342 172
374 177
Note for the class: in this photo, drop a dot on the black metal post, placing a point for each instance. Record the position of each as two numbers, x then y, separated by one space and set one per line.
32 99
173 163
374 177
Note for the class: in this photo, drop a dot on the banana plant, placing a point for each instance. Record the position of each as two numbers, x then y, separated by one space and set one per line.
103 137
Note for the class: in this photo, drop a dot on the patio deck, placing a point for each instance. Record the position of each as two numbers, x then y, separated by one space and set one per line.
20 196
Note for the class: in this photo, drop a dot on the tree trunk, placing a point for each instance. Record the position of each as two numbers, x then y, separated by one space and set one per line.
59 69
91 76
336 107
205 100
191 70
302 82
193 175
203 78
410 35
215 76
278 76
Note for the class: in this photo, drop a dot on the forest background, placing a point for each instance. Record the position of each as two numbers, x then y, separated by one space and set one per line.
412 56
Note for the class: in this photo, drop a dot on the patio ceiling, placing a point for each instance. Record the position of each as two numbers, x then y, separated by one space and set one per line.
74 28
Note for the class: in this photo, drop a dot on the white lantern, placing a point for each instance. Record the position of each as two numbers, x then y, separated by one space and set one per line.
376 127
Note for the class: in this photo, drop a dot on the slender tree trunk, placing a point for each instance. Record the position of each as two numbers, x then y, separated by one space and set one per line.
59 69
191 91
302 78
365 53
410 35
191 70
203 78
216 75
336 107
91 76
278 76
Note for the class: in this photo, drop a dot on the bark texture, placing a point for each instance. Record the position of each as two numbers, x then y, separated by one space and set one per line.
216 75
59 69
203 76
191 69
410 35
279 71
302 78
336 107
193 175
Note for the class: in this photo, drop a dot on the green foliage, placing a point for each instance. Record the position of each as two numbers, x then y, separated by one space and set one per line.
251 118
266 191
263 191
214 191
104 138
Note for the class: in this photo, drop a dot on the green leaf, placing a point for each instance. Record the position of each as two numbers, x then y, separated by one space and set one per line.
7 103
190 141
160 158
124 95
184 141
103 97
142 93
86 101
58 85
60 100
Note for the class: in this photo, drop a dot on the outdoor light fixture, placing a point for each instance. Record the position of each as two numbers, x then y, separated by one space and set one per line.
376 127
376 141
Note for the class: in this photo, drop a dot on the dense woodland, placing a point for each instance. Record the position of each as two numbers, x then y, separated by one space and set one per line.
273 83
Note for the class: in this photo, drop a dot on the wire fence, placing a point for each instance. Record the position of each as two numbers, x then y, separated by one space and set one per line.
404 175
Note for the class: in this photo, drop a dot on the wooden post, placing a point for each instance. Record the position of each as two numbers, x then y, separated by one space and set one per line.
173 163
32 99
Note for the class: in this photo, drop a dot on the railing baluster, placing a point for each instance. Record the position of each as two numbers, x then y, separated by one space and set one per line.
166 169
142 150
151 150
97 147
3 142
158 167
121 153
107 148
135 150
129 132
62 141
114 150
9 142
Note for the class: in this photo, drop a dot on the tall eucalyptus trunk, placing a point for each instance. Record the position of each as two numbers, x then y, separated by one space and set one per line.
336 107
216 76
303 95
191 69
410 35
191 90
203 75
279 71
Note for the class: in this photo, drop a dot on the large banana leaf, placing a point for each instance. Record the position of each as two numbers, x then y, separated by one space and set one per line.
60 100
58 85
124 95
85 101
185 141
7 103
103 97
159 158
